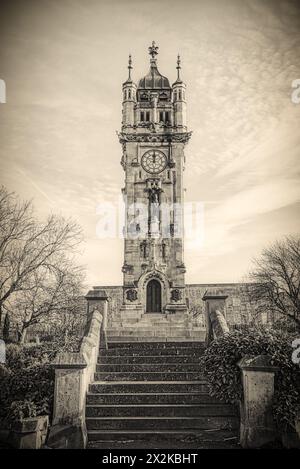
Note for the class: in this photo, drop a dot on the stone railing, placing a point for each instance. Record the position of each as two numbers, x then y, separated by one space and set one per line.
74 371
215 315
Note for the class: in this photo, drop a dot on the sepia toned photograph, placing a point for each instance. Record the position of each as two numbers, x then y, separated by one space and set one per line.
149 228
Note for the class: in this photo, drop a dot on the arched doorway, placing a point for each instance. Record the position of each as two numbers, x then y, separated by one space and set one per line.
153 303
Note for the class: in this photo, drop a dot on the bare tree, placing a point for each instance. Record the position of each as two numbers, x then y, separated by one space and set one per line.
37 273
276 277
50 293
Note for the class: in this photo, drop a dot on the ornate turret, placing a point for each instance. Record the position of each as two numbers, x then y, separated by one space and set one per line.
129 98
179 100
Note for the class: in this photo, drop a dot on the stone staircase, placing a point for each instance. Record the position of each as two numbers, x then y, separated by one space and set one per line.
145 390
156 327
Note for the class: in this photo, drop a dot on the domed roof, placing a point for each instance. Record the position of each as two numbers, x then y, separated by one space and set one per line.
153 80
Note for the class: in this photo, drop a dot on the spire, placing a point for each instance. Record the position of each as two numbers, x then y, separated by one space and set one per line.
129 79
129 67
153 51
178 67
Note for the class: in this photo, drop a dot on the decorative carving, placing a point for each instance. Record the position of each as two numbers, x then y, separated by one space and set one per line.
182 137
131 295
124 156
176 295
127 269
154 274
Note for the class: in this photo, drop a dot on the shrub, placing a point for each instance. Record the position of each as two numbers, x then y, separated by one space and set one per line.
19 410
224 376
26 377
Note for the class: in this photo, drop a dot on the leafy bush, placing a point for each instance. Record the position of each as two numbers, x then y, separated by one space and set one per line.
224 376
19 410
26 378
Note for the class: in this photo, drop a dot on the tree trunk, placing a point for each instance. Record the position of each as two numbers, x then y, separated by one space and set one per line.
22 335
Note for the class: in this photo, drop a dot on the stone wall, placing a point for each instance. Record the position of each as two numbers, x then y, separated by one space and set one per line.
238 308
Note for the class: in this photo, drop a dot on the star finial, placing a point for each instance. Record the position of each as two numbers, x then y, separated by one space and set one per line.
153 50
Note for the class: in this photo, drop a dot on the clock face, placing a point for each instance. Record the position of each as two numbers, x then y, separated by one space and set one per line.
154 161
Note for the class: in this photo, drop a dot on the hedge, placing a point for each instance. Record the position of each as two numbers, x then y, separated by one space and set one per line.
220 359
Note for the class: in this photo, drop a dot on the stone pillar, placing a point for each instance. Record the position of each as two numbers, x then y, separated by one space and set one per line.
215 314
98 299
257 425
68 429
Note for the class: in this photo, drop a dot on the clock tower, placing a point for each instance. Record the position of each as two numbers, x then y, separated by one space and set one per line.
153 136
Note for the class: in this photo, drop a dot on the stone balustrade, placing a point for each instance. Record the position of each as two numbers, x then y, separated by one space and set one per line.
73 374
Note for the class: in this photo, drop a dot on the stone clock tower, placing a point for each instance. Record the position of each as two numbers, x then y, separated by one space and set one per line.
153 136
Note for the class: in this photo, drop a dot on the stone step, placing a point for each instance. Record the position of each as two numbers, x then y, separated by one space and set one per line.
146 329
163 423
192 353
148 376
148 367
149 339
161 334
148 387
158 344
161 439
154 348
150 398
123 435
147 332
160 410
148 359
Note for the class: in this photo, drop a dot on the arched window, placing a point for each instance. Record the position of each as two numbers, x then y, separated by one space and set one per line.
129 94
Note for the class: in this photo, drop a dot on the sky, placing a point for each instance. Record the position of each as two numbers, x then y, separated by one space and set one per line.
64 62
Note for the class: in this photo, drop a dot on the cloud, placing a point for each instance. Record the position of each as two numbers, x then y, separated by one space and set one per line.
64 66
